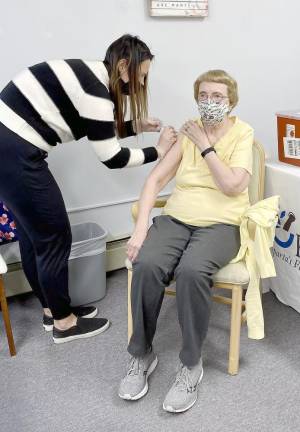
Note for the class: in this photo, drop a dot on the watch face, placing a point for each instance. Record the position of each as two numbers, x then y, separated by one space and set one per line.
208 150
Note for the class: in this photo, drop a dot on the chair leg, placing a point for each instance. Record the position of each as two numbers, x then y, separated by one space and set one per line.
6 319
129 318
235 330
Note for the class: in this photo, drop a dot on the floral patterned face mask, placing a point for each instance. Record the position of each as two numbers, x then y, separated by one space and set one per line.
212 113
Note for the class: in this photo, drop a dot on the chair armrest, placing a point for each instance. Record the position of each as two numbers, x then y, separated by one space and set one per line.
3 266
135 207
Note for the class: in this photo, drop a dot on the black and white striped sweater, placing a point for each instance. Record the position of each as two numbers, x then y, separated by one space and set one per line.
64 100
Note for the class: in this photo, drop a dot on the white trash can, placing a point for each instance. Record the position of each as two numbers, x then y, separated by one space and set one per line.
87 263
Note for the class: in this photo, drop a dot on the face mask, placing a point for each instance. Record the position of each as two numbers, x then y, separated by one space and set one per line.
211 112
125 88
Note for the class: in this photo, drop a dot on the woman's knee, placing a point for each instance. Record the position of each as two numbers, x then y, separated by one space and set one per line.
151 266
191 275
54 243
145 264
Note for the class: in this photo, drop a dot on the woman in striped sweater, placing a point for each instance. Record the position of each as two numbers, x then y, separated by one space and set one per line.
55 102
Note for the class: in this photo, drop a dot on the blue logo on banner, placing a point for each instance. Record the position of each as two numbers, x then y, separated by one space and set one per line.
285 227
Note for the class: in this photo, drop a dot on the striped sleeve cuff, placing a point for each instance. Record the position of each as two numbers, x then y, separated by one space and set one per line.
120 160
151 154
113 156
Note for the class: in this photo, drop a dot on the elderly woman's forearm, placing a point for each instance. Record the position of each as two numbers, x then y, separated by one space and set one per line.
229 183
147 200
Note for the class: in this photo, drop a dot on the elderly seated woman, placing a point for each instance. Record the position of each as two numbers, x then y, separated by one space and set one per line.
197 234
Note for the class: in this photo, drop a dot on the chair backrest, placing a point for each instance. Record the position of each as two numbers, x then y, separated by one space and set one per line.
257 182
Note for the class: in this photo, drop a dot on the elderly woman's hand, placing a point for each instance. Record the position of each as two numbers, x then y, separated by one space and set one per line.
196 134
135 242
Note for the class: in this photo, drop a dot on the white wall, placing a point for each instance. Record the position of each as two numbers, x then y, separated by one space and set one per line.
256 41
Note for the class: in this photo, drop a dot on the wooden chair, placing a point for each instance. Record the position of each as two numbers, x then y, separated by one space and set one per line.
4 308
233 277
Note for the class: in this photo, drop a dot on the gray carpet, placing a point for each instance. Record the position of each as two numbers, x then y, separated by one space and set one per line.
73 387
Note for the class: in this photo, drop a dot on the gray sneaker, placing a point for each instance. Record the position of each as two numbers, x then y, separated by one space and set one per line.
184 392
135 384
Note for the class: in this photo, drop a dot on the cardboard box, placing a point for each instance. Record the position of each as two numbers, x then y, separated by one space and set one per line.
288 131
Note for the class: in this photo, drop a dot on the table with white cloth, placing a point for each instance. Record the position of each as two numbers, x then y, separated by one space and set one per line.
284 180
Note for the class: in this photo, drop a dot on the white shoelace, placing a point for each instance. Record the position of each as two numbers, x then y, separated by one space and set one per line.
183 380
134 366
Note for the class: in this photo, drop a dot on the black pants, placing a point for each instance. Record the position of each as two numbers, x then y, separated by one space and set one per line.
191 254
29 190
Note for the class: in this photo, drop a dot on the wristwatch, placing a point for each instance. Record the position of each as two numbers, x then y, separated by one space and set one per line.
206 151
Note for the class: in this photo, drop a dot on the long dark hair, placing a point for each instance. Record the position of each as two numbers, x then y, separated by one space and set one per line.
135 52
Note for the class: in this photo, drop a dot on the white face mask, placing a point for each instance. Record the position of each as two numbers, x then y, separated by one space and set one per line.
211 112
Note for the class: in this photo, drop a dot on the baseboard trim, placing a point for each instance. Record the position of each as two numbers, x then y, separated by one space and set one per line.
116 254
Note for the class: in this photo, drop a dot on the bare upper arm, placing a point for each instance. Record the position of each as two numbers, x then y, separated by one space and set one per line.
166 169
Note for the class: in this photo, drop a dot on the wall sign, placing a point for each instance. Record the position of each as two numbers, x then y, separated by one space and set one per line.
179 8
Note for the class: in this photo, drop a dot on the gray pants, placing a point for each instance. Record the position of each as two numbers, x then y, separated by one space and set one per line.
191 254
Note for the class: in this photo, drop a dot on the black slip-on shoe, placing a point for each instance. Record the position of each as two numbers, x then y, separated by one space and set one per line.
48 323
79 311
85 328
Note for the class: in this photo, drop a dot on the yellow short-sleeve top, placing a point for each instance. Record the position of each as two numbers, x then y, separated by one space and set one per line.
196 199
